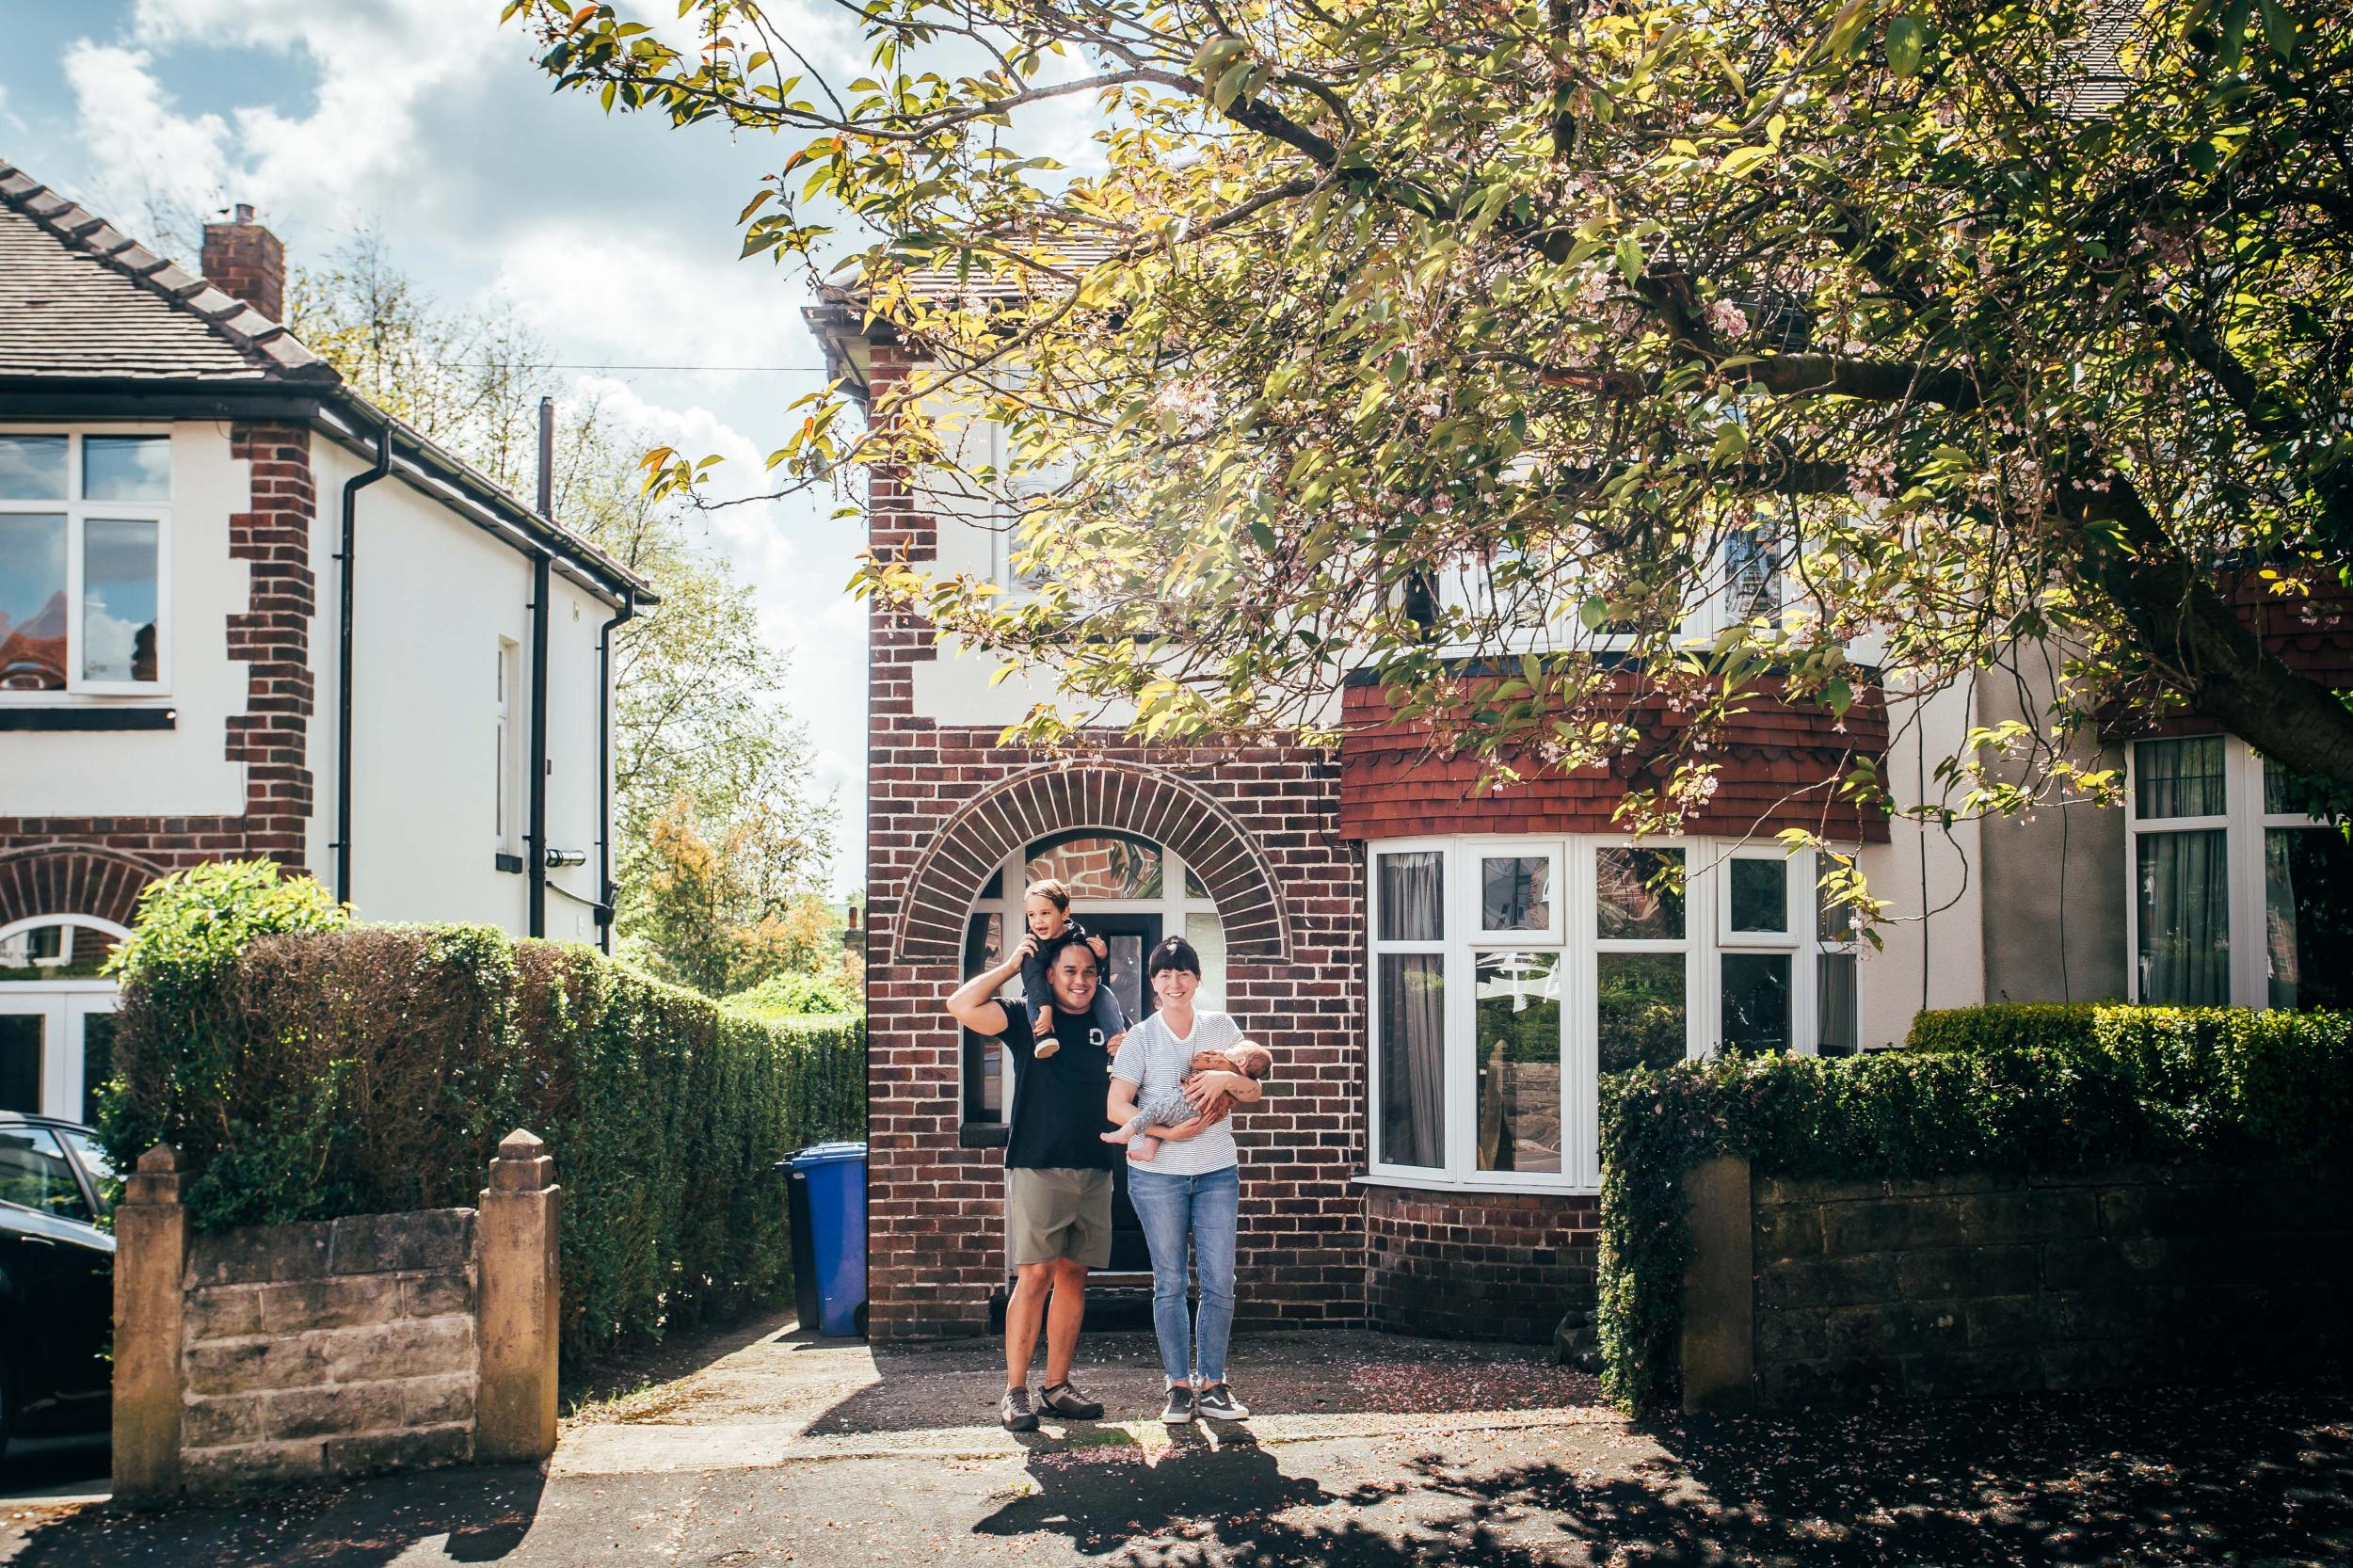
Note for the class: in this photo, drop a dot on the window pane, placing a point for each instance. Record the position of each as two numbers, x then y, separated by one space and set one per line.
2185 906
983 1055
126 467
1519 1061
1640 895
118 594
1413 897
1760 895
1515 894
59 952
1838 1025
32 604
19 1062
2308 901
99 1169
2178 779
34 1173
2285 792
1413 1058
1644 1022
1208 940
1194 886
1756 1001
1834 921
1752 576
32 468
98 1062
1098 865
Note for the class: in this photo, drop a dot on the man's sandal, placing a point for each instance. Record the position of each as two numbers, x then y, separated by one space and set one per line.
1066 1400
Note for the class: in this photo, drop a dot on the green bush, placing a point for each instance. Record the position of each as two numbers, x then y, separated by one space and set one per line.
2143 1083
2001 1024
802 995
307 1069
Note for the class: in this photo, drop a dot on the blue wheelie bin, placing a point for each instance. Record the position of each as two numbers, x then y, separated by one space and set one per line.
834 1178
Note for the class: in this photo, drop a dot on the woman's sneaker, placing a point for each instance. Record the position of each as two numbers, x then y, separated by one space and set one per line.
1217 1403
1178 1410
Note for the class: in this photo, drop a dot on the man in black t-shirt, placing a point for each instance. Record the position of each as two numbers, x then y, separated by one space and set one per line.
1058 1172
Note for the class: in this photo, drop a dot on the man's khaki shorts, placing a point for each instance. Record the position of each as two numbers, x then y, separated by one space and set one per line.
1058 1213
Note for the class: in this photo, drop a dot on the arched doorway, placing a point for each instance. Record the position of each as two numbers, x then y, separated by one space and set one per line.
57 1014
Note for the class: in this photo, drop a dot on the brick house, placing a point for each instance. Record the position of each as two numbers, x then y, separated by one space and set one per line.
1444 975
244 613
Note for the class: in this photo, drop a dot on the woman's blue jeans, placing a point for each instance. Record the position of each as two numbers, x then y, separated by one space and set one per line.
1205 1210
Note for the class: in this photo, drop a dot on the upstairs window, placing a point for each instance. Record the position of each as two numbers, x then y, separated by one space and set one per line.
84 559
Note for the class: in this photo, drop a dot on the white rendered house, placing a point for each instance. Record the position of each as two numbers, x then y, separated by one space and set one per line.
244 612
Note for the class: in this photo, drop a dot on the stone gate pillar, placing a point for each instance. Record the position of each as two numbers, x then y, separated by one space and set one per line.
515 1414
150 1252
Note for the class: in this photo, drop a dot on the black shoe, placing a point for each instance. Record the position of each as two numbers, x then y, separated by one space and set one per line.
1064 1400
1015 1412
1178 1410
1217 1403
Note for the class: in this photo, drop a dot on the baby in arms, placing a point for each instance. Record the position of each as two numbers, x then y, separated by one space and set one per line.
1250 1060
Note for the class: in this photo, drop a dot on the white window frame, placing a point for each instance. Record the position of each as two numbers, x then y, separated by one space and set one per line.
1703 946
506 837
65 1006
79 513
2243 821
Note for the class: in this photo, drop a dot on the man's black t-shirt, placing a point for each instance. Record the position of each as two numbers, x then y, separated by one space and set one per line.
1058 1119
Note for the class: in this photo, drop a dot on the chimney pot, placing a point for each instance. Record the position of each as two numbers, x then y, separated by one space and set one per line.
244 260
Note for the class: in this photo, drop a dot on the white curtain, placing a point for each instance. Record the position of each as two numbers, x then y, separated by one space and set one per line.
2185 918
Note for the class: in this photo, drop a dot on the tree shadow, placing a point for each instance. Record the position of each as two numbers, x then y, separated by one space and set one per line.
2177 1477
676 1357
477 1514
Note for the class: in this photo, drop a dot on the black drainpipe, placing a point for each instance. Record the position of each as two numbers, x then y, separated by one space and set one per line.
343 658
540 587
607 892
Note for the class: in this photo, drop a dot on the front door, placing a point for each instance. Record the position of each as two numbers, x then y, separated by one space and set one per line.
1131 939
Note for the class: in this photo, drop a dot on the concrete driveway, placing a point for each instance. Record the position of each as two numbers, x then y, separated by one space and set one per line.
766 1447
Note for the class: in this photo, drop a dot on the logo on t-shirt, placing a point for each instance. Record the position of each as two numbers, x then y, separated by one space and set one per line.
1094 1038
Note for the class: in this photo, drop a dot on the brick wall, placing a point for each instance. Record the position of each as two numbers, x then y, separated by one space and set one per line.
1976 1283
95 865
330 1349
1479 1266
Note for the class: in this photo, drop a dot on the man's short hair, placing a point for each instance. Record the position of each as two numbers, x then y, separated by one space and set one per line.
1080 948
1173 953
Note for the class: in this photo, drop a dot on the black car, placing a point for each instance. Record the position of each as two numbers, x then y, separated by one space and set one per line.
57 1279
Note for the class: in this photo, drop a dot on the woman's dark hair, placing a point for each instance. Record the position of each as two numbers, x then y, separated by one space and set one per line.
1172 953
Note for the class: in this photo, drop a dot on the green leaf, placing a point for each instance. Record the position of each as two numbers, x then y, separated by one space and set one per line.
2279 31
1906 40
1741 159
1400 367
1262 535
2233 35
1630 258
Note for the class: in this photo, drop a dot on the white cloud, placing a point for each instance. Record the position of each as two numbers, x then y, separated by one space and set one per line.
141 147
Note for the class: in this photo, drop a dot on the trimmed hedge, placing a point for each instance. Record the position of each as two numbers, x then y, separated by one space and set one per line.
308 1069
2143 1084
2001 1025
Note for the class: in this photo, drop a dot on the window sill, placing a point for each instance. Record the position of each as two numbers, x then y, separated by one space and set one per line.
510 863
94 716
1448 1186
983 1135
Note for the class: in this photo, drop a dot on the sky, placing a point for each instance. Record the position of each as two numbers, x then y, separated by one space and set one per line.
613 238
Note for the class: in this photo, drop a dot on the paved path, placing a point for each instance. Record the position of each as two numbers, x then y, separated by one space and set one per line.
1373 1452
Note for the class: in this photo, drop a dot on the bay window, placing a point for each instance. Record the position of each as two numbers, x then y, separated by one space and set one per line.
1508 974
2239 896
84 535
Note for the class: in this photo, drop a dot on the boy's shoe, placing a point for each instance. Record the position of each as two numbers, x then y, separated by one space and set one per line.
1217 1403
1178 1410
1014 1409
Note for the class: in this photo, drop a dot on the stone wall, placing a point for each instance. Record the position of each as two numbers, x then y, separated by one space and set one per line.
330 1349
381 1341
1982 1282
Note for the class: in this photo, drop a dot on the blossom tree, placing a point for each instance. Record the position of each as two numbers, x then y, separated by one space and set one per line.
1372 336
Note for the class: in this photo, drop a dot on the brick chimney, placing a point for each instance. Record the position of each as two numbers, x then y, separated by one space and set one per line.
244 259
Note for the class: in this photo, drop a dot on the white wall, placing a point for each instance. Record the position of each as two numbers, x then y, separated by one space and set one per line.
435 593
1929 877
185 770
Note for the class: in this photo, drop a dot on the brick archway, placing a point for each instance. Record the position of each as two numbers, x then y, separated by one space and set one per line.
72 879
1117 796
